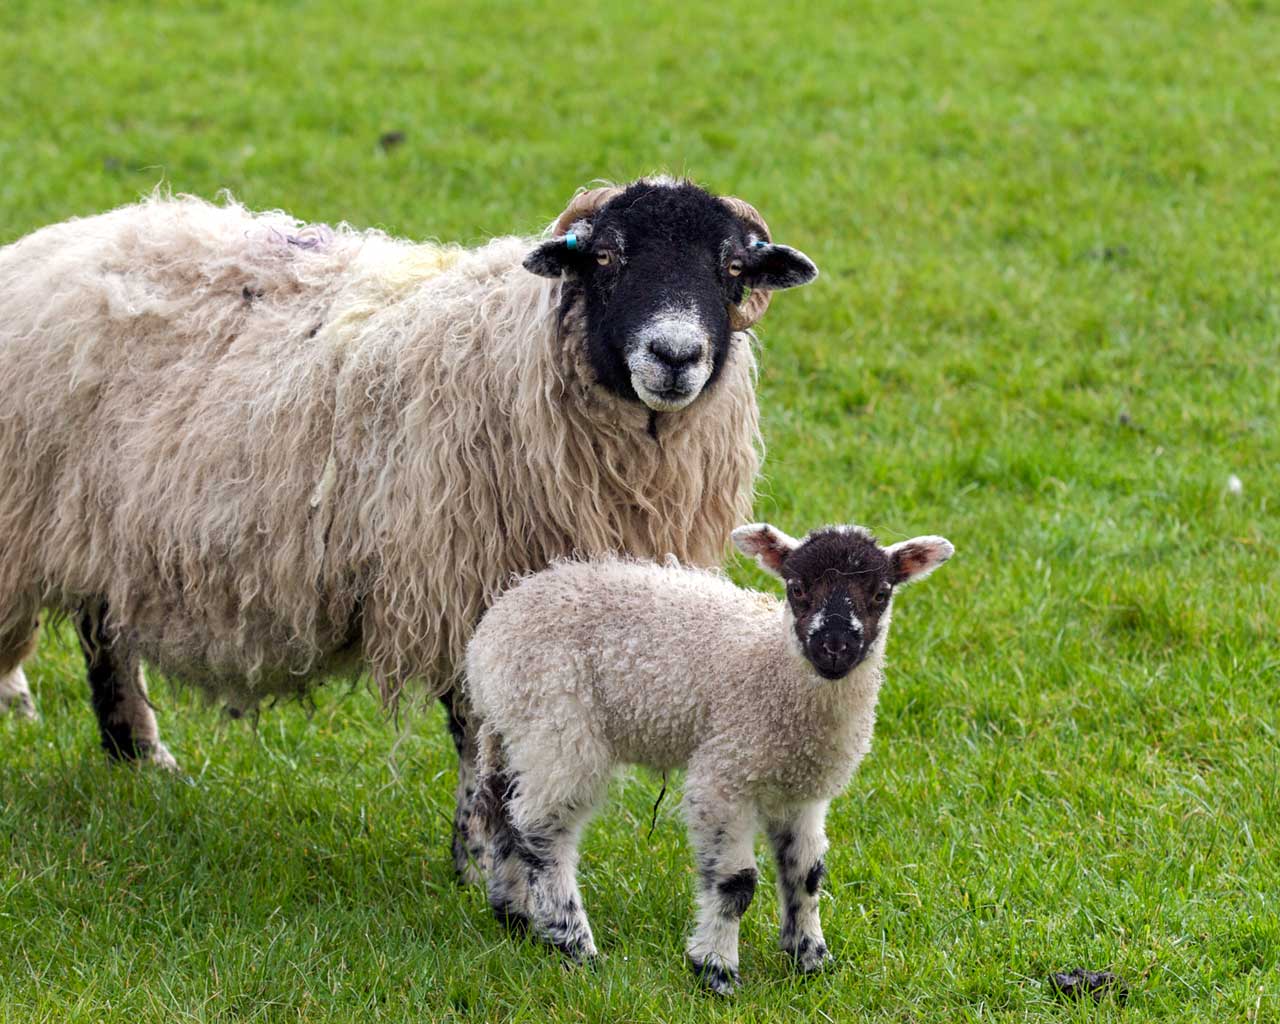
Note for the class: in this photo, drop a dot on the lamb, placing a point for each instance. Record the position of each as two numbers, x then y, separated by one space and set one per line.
768 704
255 453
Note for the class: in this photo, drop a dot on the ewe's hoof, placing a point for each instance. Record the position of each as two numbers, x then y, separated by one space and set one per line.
810 956
15 696
715 975
159 756
20 705
144 752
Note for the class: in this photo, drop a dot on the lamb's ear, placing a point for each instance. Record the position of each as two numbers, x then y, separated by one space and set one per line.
774 267
914 559
767 544
552 258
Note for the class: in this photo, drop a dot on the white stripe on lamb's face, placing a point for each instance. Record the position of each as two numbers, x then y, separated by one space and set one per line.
670 359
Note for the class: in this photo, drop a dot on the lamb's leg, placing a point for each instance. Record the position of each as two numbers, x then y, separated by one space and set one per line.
467 850
15 693
722 836
799 843
548 850
507 876
119 695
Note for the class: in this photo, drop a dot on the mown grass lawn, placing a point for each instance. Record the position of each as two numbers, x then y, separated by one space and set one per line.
1047 328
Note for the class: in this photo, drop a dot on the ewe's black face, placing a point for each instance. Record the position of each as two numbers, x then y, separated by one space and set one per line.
840 584
659 266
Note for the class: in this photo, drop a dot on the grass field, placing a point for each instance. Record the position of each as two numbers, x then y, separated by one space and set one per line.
1047 328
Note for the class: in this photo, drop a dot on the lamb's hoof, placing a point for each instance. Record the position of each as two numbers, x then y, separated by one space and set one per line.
577 952
468 874
468 862
511 917
810 956
719 977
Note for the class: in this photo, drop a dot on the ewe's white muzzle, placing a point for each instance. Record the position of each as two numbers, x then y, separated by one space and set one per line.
670 360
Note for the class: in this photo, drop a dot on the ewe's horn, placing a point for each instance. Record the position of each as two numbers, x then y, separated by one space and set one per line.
583 205
753 306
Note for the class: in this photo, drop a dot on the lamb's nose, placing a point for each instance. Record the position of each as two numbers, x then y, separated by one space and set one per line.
834 645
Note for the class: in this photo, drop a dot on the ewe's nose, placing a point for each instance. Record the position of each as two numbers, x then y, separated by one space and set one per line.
676 352
675 341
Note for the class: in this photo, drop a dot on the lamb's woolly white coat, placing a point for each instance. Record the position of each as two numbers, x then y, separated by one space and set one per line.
591 664
279 451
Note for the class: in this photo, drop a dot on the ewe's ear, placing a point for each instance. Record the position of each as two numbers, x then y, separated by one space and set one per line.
767 544
914 559
552 258
774 267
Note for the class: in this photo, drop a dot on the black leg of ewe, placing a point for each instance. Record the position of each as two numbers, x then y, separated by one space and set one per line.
119 694
467 852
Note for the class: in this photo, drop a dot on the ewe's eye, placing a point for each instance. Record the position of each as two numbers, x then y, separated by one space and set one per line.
795 590
735 268
881 598
604 257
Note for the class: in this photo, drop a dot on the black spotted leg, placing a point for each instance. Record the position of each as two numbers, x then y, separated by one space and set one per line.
799 843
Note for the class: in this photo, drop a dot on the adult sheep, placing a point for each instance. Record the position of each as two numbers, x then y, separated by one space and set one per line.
255 453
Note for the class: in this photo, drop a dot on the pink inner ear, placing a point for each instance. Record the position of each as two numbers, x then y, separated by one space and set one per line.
770 550
917 558
914 559
765 545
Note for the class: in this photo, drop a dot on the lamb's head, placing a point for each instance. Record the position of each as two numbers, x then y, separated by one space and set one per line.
667 272
840 586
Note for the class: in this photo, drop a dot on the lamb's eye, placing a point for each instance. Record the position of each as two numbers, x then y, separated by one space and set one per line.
795 590
735 268
881 598
604 257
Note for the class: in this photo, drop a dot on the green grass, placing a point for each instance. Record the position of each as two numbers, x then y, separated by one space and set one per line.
1047 328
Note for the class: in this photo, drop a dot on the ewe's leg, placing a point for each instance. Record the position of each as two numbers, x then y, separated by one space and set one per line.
799 844
467 851
722 835
119 694
15 694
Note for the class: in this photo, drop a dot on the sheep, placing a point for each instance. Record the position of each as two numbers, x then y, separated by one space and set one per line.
769 706
255 453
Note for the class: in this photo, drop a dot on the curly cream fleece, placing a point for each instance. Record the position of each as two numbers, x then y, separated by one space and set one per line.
279 450
592 664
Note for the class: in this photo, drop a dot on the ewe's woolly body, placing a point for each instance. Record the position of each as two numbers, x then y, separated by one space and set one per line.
278 451
595 663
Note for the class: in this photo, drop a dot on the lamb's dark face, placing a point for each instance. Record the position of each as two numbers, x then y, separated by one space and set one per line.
840 585
659 266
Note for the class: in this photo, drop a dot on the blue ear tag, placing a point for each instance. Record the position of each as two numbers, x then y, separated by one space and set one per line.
758 244
571 241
